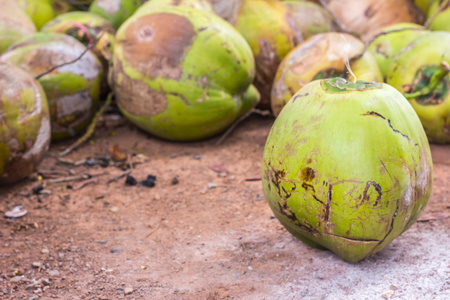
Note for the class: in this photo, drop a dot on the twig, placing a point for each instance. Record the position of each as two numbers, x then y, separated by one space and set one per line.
77 178
115 178
233 126
82 184
70 62
90 130
70 178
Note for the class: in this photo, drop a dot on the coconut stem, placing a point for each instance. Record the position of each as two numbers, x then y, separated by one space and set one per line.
90 130
434 81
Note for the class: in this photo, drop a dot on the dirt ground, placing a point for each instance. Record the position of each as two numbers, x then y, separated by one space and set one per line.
208 234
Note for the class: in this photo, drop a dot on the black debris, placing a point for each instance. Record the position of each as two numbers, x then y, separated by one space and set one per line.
150 181
130 180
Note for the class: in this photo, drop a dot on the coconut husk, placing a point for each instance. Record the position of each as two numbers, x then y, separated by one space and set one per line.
227 9
271 32
366 18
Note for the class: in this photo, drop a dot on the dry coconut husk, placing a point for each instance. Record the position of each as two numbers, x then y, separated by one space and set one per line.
227 9
366 18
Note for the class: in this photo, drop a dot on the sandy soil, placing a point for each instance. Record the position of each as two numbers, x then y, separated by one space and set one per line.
208 234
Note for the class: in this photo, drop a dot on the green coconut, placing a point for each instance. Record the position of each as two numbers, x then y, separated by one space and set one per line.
391 40
421 72
439 16
14 24
321 56
115 11
271 32
40 11
347 166
61 7
311 18
24 124
73 83
181 73
424 5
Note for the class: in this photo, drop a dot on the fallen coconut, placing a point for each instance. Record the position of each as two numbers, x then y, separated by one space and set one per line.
366 18
68 72
321 56
196 4
24 124
347 166
421 72
391 40
181 73
271 32
311 18
93 31
424 5
40 11
227 9
14 24
115 11
439 16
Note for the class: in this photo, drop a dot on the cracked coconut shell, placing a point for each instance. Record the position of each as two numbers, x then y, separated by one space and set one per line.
347 166
181 73
24 123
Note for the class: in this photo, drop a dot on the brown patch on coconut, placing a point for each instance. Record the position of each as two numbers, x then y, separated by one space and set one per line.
367 18
155 44
266 66
135 96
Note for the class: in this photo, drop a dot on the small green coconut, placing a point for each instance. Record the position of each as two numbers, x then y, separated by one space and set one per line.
439 16
421 72
40 11
392 40
69 74
24 124
115 11
424 5
14 24
181 73
347 166
322 56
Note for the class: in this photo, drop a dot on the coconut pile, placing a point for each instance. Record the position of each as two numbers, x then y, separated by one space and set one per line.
360 77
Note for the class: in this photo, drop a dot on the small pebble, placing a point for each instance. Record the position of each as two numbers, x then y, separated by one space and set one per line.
197 157
53 273
36 265
127 290
61 255
115 250
45 250
114 209
174 181
45 281
16 278
212 185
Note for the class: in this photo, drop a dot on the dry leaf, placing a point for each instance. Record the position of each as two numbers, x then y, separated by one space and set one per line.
117 154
